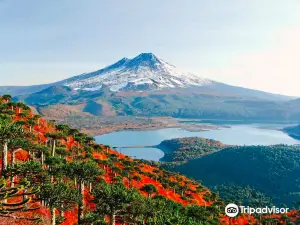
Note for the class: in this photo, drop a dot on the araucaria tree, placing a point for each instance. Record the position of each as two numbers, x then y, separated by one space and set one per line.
84 173
58 196
8 130
114 200
54 137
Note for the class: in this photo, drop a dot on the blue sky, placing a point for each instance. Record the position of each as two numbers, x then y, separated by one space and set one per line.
247 43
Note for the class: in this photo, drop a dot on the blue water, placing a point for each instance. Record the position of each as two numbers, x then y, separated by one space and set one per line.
250 134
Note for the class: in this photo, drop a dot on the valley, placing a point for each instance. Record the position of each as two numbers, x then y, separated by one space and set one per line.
258 146
149 112
229 134
176 122
74 180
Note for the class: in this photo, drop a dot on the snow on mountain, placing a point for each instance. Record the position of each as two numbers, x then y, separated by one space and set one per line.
144 72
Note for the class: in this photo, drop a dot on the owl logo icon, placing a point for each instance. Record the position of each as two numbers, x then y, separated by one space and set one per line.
232 210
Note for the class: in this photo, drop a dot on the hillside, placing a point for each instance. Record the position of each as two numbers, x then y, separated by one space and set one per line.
71 180
272 171
182 103
183 149
57 175
293 131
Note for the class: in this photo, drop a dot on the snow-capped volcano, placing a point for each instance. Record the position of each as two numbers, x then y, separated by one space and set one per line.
144 72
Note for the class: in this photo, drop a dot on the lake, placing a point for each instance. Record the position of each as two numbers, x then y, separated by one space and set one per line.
241 134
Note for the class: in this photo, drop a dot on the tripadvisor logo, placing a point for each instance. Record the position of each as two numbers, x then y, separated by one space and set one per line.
232 210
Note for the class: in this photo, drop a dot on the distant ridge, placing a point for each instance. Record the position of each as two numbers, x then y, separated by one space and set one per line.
145 72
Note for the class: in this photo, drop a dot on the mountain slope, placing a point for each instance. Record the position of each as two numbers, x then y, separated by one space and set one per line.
63 157
145 72
176 102
293 131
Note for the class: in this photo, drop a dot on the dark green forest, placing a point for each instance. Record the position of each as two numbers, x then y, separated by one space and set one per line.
182 149
272 170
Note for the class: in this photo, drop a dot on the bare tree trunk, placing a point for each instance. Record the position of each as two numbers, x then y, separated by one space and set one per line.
13 158
62 212
113 219
90 188
30 155
42 158
53 222
12 182
81 202
4 156
53 148
13 161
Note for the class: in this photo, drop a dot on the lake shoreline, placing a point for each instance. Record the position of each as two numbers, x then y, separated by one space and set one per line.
144 144
187 127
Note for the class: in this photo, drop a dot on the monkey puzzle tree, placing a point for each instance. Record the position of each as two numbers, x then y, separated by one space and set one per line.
3 108
56 167
58 196
8 131
62 152
63 128
29 170
31 122
114 200
83 172
40 151
6 97
12 105
80 138
55 136
150 189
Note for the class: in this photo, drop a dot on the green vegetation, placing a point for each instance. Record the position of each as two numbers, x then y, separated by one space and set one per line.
56 174
129 206
182 149
243 195
183 104
272 170
93 108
